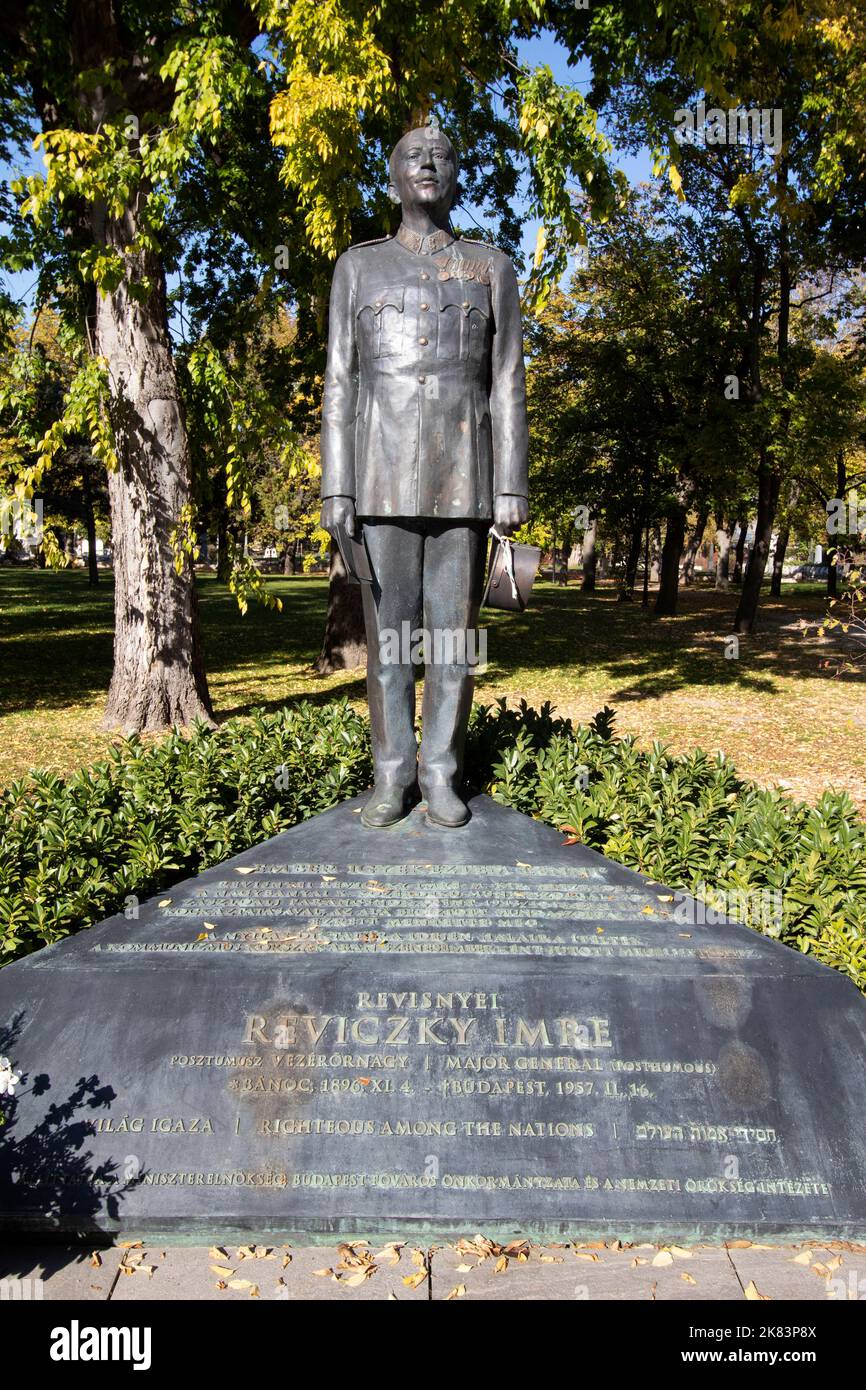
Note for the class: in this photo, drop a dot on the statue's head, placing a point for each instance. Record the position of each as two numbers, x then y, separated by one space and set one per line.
423 172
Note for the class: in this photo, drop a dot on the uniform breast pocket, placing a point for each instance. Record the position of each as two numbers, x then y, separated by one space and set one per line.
465 314
380 322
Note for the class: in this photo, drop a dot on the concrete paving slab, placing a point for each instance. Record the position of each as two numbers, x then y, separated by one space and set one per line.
556 1272
272 1272
813 1273
586 1273
393 1265
53 1272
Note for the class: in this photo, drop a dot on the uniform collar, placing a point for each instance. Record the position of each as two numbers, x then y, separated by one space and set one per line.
423 245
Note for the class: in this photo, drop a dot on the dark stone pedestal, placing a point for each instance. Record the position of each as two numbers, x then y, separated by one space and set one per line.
414 1030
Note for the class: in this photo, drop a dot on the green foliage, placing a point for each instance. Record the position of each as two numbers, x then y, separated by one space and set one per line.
688 821
846 620
74 849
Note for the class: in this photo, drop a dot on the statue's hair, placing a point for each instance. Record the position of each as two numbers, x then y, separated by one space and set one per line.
422 130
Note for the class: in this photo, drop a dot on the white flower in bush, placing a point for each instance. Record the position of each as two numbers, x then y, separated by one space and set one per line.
8 1078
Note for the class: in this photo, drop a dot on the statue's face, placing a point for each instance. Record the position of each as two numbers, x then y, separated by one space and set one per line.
424 171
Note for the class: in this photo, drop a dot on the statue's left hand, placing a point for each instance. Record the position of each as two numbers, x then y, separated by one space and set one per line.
509 512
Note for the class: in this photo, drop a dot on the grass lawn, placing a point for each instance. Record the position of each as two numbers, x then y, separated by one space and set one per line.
770 709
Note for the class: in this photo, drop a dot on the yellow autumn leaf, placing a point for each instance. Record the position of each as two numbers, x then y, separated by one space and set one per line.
540 244
754 1295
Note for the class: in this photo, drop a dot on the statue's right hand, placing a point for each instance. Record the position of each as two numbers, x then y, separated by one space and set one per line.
339 511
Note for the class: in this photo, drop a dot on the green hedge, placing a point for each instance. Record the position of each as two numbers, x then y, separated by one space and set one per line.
74 848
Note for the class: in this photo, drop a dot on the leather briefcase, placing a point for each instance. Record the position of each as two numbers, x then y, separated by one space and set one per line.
511 573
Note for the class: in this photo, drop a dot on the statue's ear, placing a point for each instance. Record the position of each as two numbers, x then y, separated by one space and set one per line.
393 195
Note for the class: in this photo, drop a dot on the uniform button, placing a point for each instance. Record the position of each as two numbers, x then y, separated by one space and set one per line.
422 379
425 306
423 342
424 275
466 304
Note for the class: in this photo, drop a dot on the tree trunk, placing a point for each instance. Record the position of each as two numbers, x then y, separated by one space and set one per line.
158 676
724 535
779 560
782 540
841 493
631 564
589 556
768 499
675 539
224 564
694 545
742 522
90 523
345 644
655 554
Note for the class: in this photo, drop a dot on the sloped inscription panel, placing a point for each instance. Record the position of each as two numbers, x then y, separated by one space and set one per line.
407 1033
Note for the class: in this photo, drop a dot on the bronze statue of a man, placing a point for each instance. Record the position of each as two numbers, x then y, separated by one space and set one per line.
424 443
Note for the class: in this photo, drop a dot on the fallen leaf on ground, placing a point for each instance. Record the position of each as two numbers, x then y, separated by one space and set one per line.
753 1294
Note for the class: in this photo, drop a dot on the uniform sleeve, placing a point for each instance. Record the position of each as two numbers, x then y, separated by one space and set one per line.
340 401
508 386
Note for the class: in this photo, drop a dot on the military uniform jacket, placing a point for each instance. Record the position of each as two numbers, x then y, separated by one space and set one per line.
424 411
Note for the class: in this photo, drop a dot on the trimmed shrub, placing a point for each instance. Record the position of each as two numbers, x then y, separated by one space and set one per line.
690 822
75 849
